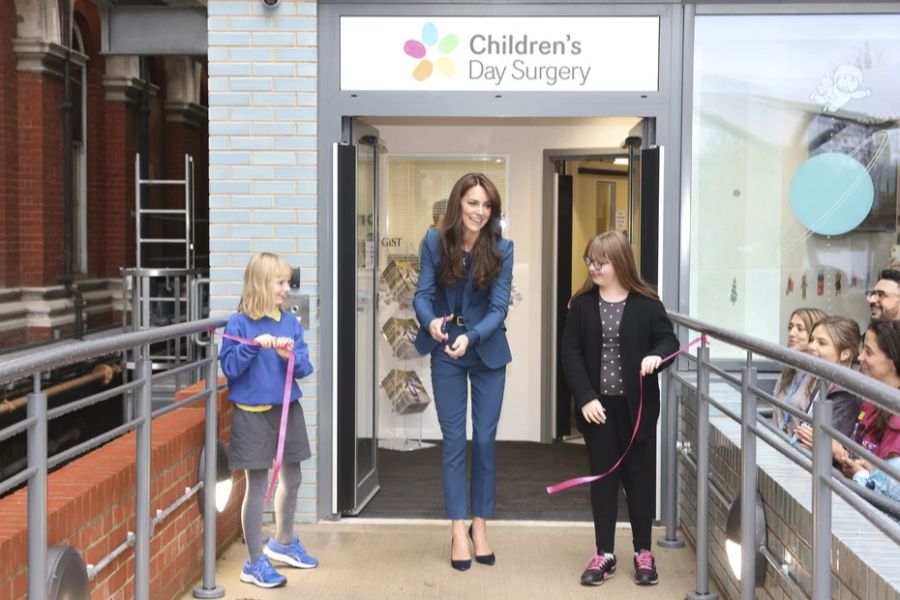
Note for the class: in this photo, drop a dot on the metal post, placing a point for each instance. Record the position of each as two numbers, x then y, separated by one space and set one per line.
37 493
142 480
821 495
670 464
137 211
748 485
188 184
209 589
177 319
145 303
702 590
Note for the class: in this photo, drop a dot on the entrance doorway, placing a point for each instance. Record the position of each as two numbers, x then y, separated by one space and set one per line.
593 192
392 179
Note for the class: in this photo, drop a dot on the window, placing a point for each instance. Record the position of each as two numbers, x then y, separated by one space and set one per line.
795 158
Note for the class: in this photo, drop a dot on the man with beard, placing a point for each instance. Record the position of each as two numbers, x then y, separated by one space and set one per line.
884 298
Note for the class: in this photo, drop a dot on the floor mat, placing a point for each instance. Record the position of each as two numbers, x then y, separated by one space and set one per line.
411 483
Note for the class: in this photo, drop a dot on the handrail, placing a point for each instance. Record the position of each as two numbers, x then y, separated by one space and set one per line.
865 387
81 351
39 460
824 480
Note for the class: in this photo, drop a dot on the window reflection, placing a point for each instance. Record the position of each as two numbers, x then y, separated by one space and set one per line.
795 165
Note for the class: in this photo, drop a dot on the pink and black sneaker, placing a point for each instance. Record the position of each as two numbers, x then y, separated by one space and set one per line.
599 569
645 568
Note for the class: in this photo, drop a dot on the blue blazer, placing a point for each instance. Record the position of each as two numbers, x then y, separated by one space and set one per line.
484 310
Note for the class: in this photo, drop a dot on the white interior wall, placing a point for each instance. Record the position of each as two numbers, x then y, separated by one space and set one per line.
522 142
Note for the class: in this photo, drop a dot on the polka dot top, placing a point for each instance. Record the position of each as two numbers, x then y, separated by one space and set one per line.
611 361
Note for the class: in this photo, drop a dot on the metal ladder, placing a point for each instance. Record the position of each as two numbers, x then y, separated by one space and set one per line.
160 296
140 211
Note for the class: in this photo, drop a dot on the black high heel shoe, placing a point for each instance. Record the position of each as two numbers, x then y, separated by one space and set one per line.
459 565
484 559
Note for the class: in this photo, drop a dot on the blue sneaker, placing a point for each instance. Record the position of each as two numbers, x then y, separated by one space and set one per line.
293 554
261 572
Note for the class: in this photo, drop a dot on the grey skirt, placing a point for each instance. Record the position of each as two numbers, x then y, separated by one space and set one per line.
254 437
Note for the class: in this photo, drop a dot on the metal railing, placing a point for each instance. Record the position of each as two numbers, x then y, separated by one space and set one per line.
824 478
35 427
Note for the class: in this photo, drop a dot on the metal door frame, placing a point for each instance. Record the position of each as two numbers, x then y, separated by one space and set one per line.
334 105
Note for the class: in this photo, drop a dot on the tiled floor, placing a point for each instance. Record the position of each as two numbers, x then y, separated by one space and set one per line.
392 559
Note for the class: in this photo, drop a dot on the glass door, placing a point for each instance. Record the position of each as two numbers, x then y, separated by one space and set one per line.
358 201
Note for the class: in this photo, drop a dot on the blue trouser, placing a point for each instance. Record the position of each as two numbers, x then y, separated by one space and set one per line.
450 379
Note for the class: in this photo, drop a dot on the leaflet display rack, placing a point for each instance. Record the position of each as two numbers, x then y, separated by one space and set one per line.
402 384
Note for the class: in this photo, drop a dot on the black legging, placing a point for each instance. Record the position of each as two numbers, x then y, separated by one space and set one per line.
605 444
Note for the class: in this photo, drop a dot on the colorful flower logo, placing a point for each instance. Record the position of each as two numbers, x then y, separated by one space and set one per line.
419 50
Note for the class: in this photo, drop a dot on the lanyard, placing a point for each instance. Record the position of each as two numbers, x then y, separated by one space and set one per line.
564 485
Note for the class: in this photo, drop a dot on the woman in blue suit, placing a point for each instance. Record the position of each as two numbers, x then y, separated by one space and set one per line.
461 303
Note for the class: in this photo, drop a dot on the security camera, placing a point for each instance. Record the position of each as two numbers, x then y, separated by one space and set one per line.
271 3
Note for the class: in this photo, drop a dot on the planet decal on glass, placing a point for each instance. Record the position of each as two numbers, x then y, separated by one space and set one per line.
831 193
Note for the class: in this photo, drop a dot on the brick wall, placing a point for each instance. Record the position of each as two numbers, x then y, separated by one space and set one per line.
8 141
40 178
119 145
91 507
262 160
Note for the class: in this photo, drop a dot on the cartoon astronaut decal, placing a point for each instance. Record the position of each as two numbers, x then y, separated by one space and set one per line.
836 90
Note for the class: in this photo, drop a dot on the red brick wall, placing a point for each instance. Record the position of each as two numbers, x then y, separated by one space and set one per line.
91 507
9 255
113 216
40 153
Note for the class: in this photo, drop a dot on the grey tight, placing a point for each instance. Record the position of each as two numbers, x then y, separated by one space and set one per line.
289 478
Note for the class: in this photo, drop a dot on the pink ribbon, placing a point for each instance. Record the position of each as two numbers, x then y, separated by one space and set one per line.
285 405
564 485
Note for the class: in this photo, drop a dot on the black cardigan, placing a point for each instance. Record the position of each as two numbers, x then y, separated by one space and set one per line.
645 330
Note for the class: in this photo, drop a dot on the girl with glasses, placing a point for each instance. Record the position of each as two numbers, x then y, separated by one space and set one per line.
616 335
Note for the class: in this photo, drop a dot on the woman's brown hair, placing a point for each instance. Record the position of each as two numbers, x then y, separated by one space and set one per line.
612 246
486 259
809 316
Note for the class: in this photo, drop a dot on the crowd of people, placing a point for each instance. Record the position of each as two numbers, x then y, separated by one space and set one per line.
875 353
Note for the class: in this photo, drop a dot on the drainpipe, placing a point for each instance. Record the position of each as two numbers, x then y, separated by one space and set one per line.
68 279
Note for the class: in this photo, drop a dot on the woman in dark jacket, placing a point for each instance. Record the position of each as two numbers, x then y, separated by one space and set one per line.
616 333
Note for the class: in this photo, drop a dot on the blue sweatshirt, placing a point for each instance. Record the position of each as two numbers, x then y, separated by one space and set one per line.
256 375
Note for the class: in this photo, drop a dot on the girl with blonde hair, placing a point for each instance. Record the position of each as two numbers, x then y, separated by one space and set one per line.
256 375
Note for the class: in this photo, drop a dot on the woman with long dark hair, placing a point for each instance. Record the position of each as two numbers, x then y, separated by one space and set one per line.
616 335
879 429
461 302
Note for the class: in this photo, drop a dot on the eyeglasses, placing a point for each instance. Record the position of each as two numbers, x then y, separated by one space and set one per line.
595 264
879 294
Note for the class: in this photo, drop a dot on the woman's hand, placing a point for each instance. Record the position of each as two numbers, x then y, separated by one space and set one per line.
435 328
804 435
594 412
851 467
838 452
459 347
265 340
650 364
